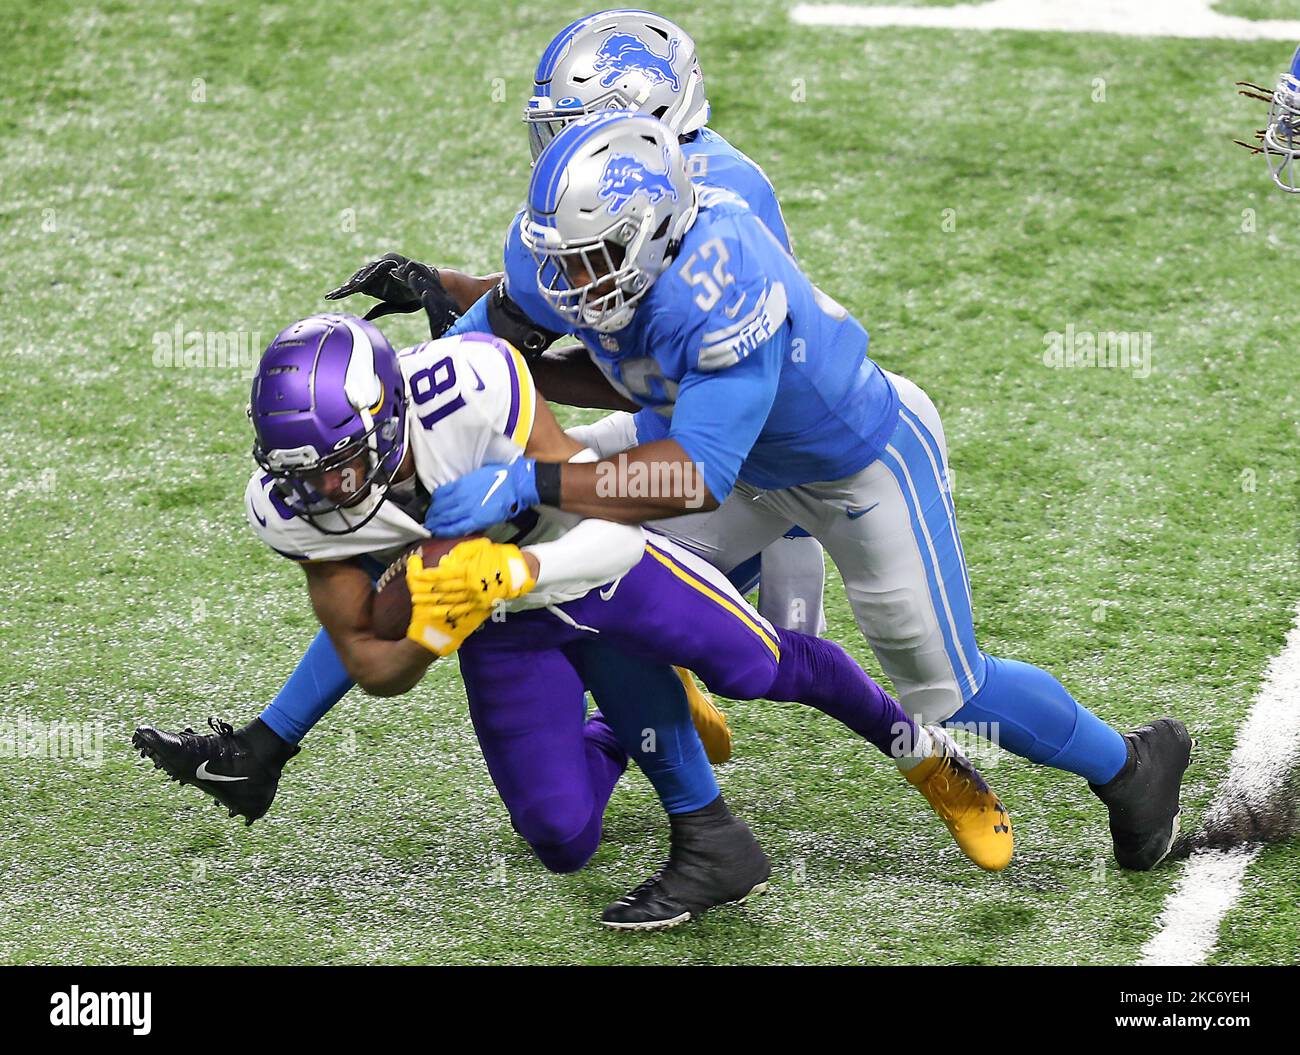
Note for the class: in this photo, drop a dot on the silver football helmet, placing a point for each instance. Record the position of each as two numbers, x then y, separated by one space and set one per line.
1282 136
617 60
608 204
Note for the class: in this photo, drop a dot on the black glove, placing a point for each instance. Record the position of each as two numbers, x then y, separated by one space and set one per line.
438 306
401 285
378 279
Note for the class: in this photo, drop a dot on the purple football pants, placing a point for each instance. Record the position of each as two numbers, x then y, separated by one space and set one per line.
555 770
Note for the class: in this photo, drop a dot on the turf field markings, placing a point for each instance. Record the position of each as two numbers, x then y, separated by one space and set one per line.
1264 758
1134 18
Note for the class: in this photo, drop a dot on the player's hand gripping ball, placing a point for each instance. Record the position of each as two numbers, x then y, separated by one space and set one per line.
433 624
392 615
472 579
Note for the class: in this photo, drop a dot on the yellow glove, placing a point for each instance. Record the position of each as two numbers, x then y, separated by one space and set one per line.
433 625
473 578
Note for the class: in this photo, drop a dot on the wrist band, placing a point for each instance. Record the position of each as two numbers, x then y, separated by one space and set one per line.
547 478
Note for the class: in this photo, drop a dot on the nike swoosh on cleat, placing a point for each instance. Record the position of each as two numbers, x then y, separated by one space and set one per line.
854 514
203 774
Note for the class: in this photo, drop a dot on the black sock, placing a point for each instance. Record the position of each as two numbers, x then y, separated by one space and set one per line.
266 743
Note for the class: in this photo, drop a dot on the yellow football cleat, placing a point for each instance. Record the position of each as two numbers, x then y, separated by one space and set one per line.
966 804
709 721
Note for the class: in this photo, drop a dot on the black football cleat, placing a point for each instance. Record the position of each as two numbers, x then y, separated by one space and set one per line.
714 860
1143 796
241 770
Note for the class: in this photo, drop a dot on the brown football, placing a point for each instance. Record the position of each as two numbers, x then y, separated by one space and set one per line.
390 606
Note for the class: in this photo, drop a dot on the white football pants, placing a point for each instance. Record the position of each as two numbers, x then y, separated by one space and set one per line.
892 531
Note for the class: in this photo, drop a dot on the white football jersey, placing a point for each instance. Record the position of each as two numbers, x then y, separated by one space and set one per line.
470 403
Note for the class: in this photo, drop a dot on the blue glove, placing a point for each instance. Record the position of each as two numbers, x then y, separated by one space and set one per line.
487 496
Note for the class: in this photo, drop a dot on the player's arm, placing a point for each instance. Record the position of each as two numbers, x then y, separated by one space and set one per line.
567 375
548 441
615 432
718 416
593 490
465 289
479 574
716 419
592 552
341 597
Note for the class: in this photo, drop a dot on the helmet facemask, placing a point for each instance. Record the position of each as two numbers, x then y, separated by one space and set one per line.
296 473
595 282
545 121
1282 135
1279 141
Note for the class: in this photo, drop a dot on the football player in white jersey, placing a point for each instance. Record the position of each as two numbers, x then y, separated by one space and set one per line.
352 439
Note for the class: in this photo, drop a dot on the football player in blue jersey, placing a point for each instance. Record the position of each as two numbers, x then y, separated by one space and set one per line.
1279 140
635 60
630 60
688 304
401 285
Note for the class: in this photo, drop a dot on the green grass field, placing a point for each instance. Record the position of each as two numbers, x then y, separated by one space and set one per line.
215 166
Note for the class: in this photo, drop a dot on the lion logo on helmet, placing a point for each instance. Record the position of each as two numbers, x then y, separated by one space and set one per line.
623 53
626 176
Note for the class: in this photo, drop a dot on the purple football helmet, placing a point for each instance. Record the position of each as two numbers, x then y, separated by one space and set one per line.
329 398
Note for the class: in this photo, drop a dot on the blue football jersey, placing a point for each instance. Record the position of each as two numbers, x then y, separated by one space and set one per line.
753 370
710 159
763 377
714 161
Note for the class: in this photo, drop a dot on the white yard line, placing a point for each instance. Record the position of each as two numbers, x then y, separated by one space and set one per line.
1136 18
1189 924
1268 747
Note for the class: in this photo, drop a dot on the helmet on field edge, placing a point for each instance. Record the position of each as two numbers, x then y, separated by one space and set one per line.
1282 135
